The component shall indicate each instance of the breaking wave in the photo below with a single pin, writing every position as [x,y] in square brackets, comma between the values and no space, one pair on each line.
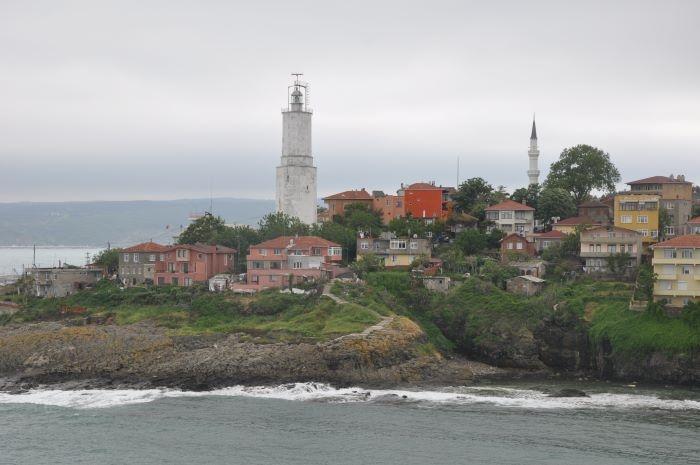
[496,396]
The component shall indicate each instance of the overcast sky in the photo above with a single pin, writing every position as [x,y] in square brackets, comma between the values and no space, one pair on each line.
[157,100]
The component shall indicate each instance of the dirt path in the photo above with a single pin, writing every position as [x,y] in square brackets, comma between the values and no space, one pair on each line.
[327,292]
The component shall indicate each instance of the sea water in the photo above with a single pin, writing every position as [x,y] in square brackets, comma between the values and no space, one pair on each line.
[313,423]
[14,259]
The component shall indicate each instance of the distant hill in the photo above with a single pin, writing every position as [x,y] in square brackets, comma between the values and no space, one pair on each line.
[120,222]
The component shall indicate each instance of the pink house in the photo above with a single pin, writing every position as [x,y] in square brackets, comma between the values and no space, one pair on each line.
[275,262]
[185,264]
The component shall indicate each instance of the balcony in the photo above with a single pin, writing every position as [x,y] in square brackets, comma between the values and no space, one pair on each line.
[676,261]
[667,277]
[677,293]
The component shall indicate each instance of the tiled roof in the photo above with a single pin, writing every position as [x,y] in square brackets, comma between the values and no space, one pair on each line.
[689,240]
[695,220]
[204,248]
[612,228]
[576,221]
[658,180]
[551,235]
[301,242]
[508,205]
[424,186]
[515,235]
[593,204]
[350,195]
[146,247]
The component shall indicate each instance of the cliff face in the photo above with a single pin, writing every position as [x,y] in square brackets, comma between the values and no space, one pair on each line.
[391,353]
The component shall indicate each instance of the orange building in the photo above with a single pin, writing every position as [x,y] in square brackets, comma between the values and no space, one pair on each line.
[423,200]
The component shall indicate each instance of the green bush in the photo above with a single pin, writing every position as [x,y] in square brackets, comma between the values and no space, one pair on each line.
[274,302]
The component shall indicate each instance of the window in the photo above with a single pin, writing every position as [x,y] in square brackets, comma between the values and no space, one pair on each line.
[669,253]
[546,244]
[510,246]
[414,245]
[669,270]
[277,251]
[336,251]
[687,270]
[519,228]
[263,252]
[276,265]
[687,253]
[597,248]
[316,251]
[591,248]
[493,216]
[670,230]
[297,265]
[654,233]
[628,206]
[669,205]
[682,285]
[152,257]
[298,252]
[626,219]
[393,259]
[171,267]
[126,258]
[274,278]
[188,281]
[519,245]
[644,232]
[506,215]
[666,285]
[642,219]
[364,245]
[612,248]
[397,245]
[258,265]
[162,257]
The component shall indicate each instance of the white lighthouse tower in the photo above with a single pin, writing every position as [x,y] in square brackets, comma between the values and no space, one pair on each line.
[534,153]
[296,175]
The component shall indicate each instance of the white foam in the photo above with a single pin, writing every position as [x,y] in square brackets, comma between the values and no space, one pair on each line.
[497,396]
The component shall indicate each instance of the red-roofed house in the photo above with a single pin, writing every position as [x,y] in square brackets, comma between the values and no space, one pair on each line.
[543,241]
[186,264]
[516,244]
[428,201]
[511,217]
[276,262]
[569,225]
[337,202]
[677,266]
[138,263]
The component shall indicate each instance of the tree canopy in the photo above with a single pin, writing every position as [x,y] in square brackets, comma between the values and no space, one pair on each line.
[280,224]
[529,195]
[582,169]
[108,259]
[555,202]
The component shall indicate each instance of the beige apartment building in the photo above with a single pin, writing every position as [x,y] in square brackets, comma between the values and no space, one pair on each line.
[601,243]
[677,266]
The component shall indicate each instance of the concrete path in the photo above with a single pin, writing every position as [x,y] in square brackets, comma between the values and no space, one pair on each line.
[386,321]
[327,292]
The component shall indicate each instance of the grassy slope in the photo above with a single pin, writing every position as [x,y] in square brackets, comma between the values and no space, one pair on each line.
[188,312]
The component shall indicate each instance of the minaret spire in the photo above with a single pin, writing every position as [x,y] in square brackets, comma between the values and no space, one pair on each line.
[533,173]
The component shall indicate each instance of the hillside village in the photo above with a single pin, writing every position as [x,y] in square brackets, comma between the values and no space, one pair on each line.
[572,224]
[439,233]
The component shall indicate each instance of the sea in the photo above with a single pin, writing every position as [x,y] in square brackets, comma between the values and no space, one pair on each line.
[14,259]
[314,423]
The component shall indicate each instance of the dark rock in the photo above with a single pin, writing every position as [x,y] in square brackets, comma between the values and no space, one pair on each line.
[569,392]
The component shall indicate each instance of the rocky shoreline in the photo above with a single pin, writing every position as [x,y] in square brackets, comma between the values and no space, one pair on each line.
[146,356]
[394,353]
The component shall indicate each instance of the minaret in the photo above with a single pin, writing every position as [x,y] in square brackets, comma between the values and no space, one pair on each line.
[296,175]
[533,173]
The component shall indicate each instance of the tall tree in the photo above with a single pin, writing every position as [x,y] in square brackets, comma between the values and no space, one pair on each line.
[582,169]
[407,226]
[471,194]
[203,230]
[358,217]
[340,234]
[555,202]
[471,241]
[529,195]
[108,259]
[278,224]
